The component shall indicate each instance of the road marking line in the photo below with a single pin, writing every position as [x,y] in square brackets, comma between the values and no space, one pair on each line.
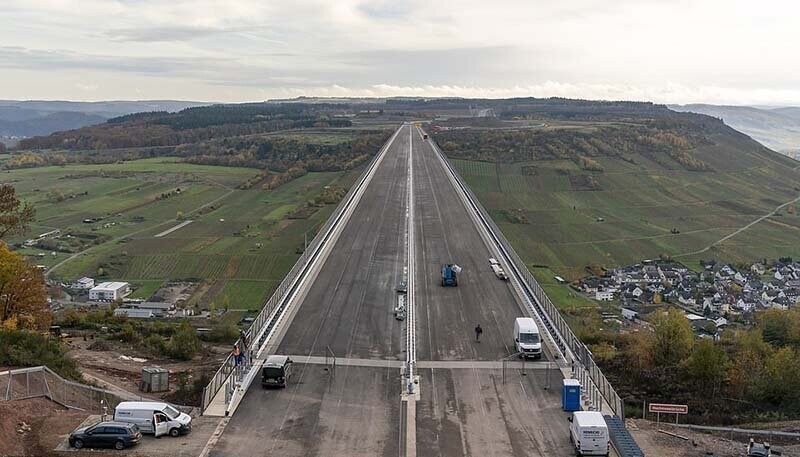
[437,364]
[410,380]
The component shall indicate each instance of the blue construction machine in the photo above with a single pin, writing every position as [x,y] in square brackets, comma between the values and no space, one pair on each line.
[450,275]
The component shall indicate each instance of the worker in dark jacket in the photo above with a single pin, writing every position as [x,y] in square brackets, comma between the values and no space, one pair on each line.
[478,332]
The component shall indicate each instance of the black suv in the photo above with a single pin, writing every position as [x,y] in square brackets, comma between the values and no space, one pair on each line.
[118,435]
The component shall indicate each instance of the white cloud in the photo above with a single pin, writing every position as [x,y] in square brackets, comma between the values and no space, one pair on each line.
[731,51]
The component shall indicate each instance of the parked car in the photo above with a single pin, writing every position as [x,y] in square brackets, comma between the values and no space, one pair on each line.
[154,417]
[118,435]
[758,449]
[276,371]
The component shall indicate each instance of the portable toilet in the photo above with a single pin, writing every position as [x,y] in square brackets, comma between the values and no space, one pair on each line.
[571,395]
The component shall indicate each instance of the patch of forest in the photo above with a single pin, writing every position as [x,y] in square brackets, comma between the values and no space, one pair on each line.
[652,138]
[189,126]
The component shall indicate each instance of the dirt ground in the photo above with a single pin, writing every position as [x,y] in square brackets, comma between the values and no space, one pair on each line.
[654,443]
[119,371]
[22,423]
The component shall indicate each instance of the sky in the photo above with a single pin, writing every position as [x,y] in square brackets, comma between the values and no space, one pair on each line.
[666,51]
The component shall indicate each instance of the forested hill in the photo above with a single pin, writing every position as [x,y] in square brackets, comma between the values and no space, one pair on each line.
[43,117]
[188,126]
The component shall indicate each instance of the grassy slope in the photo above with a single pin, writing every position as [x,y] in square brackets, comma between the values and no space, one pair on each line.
[641,203]
[206,249]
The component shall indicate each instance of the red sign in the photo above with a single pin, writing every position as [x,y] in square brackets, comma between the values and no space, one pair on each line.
[667,408]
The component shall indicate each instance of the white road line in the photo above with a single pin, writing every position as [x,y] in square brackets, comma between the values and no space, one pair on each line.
[411,389]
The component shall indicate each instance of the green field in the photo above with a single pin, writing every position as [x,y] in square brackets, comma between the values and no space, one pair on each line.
[145,288]
[241,248]
[640,204]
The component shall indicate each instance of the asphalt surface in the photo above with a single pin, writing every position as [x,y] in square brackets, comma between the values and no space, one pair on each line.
[356,410]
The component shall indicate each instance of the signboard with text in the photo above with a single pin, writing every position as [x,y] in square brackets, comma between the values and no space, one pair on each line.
[666,408]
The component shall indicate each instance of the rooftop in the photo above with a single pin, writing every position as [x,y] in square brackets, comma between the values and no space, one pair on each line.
[110,285]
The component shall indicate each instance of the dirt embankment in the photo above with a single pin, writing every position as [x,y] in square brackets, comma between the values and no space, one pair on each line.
[697,444]
[35,426]
[110,366]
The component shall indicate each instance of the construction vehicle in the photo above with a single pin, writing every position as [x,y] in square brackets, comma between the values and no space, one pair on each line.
[450,275]
[758,449]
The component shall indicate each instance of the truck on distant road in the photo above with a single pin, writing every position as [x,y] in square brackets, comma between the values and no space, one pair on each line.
[450,275]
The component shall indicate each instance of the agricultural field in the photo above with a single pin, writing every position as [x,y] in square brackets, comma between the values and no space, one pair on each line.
[563,217]
[239,243]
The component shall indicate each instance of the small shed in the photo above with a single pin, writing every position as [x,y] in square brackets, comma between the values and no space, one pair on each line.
[154,379]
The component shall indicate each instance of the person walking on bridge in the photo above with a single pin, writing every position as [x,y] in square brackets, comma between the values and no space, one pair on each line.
[478,332]
[237,355]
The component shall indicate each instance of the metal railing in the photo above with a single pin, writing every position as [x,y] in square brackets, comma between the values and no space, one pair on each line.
[266,319]
[42,382]
[565,340]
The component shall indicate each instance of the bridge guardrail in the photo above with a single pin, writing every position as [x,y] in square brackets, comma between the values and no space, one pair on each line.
[278,297]
[565,339]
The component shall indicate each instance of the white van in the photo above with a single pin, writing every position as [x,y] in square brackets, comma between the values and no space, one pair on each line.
[588,432]
[154,417]
[526,338]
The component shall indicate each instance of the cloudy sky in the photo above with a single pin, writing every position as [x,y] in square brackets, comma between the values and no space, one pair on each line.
[672,51]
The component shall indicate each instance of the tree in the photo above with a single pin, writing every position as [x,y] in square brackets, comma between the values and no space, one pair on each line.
[179,216]
[14,215]
[780,327]
[748,365]
[184,344]
[672,339]
[56,196]
[781,382]
[706,366]
[23,298]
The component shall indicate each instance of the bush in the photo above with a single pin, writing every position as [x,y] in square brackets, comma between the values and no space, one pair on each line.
[19,348]
[223,333]
[189,391]
[184,344]
[156,345]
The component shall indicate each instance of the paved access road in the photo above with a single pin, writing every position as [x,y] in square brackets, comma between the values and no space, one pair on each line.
[355,410]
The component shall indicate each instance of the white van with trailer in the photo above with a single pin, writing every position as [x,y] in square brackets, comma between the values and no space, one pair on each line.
[158,418]
[588,433]
[499,272]
[527,340]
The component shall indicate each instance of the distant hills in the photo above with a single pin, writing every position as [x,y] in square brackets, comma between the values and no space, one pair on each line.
[42,117]
[776,128]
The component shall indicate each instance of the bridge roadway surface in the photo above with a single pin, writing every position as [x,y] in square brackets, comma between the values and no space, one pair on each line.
[355,410]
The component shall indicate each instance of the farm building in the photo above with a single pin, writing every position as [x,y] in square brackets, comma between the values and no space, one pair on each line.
[109,291]
[158,309]
[134,313]
[83,283]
